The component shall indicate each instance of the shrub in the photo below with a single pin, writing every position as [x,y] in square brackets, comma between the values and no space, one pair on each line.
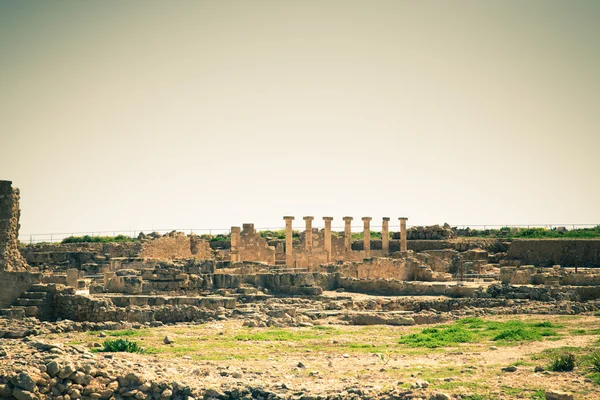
[563,363]
[97,239]
[120,345]
[595,362]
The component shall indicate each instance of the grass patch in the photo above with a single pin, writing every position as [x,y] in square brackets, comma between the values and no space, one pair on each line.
[595,377]
[120,345]
[475,330]
[284,335]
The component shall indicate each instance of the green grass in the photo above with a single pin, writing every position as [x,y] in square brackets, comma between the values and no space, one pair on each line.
[595,377]
[285,335]
[98,239]
[475,330]
[594,361]
[123,333]
[531,233]
[120,345]
[538,395]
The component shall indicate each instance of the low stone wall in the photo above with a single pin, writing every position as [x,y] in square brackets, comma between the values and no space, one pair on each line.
[564,252]
[101,309]
[393,287]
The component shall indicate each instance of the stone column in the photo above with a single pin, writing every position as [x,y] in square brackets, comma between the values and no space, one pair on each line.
[385,236]
[403,244]
[347,234]
[235,243]
[367,236]
[308,234]
[289,242]
[327,237]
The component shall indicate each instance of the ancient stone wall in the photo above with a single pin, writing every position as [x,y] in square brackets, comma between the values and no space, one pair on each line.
[175,245]
[13,283]
[254,248]
[434,232]
[76,255]
[10,257]
[548,252]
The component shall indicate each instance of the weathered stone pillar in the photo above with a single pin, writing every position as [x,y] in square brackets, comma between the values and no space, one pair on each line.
[367,235]
[289,242]
[235,243]
[348,234]
[403,244]
[308,234]
[327,237]
[385,236]
[107,277]
[72,277]
[10,256]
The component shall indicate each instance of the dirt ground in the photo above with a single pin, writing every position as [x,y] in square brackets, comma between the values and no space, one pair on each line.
[336,358]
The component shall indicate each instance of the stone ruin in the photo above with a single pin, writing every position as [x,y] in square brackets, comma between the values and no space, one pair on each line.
[10,257]
[411,279]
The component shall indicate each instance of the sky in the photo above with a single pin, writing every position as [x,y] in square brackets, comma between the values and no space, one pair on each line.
[209,114]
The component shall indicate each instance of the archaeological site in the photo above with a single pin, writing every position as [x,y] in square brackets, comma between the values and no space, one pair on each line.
[409,312]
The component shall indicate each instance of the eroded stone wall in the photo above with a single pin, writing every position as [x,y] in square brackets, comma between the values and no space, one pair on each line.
[10,257]
[254,248]
[175,245]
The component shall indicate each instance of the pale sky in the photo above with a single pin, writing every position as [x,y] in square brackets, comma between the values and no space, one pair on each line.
[208,114]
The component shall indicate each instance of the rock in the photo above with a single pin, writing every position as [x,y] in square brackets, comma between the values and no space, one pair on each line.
[538,369]
[25,382]
[420,385]
[166,340]
[166,394]
[66,371]
[510,368]
[439,396]
[558,395]
[300,365]
[21,394]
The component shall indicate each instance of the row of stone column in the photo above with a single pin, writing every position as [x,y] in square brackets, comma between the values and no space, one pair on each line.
[385,239]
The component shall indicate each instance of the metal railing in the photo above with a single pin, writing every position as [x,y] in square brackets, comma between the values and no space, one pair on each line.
[55,237]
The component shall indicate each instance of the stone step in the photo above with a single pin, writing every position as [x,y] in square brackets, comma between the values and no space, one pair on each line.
[39,288]
[30,302]
[13,312]
[34,295]
[31,311]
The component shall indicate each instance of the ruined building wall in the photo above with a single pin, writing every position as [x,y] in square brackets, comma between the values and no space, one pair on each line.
[175,245]
[10,257]
[548,252]
[254,248]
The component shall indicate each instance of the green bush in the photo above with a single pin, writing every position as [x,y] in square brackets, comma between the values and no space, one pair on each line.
[595,362]
[120,345]
[97,239]
[563,363]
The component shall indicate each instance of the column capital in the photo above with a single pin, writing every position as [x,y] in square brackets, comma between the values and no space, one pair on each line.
[386,218]
[403,218]
[308,218]
[366,218]
[235,229]
[327,218]
[288,218]
[347,218]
